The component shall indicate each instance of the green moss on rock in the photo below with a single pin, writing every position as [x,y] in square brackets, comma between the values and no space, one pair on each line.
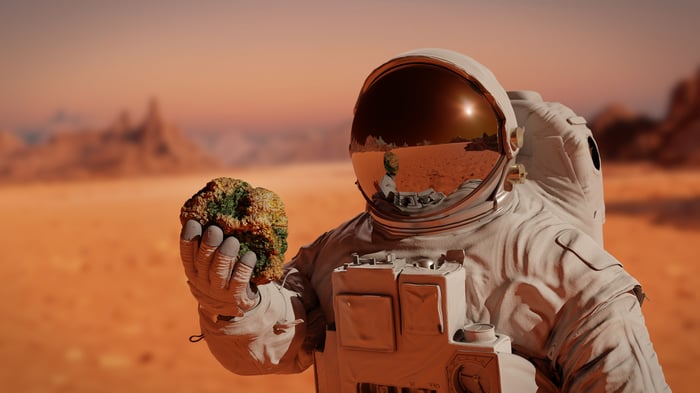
[255,216]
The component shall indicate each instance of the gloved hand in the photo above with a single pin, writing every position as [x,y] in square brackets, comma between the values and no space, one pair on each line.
[218,278]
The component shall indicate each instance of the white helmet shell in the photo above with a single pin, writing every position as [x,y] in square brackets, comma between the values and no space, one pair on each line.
[431,141]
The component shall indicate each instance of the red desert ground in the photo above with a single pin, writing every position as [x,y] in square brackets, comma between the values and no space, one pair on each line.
[94,297]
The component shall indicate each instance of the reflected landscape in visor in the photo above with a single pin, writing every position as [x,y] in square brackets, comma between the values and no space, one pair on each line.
[442,168]
[422,128]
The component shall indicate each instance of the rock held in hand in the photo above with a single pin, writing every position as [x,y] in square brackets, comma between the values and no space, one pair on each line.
[255,216]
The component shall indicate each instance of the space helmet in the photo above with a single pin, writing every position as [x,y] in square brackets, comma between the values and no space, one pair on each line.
[433,142]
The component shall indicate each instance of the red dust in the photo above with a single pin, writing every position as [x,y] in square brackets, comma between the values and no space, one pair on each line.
[95,299]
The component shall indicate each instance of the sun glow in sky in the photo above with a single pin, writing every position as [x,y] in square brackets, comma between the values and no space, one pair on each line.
[468,109]
[289,64]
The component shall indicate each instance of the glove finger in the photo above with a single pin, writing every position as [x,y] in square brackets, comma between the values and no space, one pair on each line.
[212,306]
[189,244]
[240,281]
[222,265]
[212,238]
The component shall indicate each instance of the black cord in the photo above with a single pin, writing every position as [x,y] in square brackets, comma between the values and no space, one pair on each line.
[195,338]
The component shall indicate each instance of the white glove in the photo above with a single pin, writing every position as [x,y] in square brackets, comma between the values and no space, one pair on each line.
[218,279]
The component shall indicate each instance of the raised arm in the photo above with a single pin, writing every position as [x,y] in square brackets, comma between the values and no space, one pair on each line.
[601,343]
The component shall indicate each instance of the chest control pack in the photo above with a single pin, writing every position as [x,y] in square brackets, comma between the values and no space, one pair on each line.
[400,327]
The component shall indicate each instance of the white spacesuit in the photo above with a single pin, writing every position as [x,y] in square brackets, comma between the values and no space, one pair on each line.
[460,276]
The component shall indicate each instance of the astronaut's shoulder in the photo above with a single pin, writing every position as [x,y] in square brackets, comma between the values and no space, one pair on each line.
[332,243]
[585,249]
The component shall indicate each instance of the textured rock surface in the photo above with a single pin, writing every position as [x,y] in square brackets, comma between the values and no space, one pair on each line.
[255,216]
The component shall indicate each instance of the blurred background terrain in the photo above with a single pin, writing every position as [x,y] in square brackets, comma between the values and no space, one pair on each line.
[113,114]
[152,145]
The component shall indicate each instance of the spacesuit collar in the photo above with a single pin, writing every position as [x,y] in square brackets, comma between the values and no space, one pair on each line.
[470,216]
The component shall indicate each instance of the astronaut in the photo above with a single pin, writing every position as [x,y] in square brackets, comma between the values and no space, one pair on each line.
[439,156]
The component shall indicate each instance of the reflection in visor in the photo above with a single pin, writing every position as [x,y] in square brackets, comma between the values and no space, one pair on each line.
[420,133]
[441,168]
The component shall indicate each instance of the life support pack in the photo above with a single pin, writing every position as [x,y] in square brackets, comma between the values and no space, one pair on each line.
[399,328]
[562,161]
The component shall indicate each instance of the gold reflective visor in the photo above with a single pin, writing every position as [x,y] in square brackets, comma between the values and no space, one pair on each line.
[420,133]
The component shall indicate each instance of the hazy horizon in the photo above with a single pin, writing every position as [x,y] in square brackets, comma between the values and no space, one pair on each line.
[276,66]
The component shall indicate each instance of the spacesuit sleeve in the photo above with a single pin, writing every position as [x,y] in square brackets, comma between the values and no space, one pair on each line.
[276,337]
[602,344]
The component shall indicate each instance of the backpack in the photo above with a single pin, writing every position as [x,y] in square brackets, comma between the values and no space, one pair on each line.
[562,161]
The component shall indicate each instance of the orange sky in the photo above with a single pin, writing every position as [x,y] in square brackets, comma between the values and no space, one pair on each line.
[286,64]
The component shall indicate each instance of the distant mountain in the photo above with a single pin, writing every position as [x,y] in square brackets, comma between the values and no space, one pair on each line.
[122,149]
[671,141]
[274,148]
[152,146]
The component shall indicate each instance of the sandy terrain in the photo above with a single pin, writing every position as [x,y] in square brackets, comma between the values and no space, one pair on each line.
[94,298]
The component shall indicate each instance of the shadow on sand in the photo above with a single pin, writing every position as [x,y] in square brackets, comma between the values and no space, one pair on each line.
[683,213]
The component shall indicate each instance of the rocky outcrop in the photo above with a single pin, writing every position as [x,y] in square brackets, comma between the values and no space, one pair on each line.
[679,132]
[9,143]
[623,135]
[672,141]
[121,149]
